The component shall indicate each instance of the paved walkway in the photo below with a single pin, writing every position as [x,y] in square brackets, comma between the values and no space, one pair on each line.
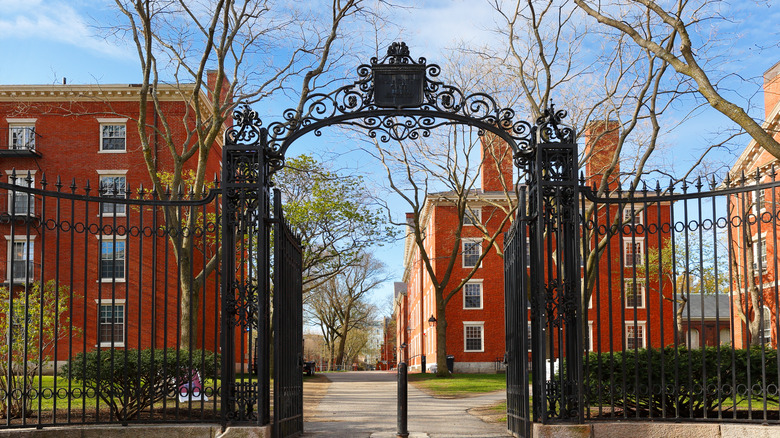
[363,405]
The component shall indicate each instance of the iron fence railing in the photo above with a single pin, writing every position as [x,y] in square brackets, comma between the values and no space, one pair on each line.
[681,302]
[91,313]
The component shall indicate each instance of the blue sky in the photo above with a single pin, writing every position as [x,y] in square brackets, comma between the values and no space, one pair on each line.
[45,41]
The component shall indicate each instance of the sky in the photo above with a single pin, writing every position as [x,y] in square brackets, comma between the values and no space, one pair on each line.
[43,42]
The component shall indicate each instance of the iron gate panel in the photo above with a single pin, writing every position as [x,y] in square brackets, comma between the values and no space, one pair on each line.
[518,414]
[288,327]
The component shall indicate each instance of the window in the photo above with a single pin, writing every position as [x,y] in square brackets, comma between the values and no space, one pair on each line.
[113,135]
[472,216]
[21,260]
[472,249]
[635,335]
[760,200]
[759,255]
[766,324]
[112,323]
[725,337]
[637,213]
[529,336]
[590,336]
[21,137]
[21,203]
[473,336]
[112,259]
[633,251]
[693,339]
[112,186]
[634,293]
[472,295]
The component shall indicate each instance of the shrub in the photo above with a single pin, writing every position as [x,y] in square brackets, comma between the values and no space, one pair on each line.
[133,380]
[682,382]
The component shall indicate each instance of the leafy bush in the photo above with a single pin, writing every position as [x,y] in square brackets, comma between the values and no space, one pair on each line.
[130,381]
[684,382]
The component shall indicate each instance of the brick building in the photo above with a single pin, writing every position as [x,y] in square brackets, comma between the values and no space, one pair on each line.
[754,246]
[86,136]
[475,315]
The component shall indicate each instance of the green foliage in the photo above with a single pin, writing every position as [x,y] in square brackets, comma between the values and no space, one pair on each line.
[35,317]
[129,381]
[334,215]
[684,372]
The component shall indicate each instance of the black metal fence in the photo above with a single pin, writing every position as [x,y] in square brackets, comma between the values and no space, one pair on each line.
[680,302]
[109,306]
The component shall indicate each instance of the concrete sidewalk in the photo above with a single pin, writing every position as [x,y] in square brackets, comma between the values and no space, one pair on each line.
[363,405]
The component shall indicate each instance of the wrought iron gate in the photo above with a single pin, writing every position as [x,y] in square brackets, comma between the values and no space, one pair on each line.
[518,412]
[543,282]
[288,327]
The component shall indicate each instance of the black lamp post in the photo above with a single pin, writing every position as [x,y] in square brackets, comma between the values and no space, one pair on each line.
[432,321]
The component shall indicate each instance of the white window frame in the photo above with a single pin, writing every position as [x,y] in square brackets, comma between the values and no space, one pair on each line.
[631,261]
[21,176]
[628,284]
[629,326]
[473,324]
[25,240]
[481,294]
[638,215]
[766,330]
[110,239]
[115,303]
[29,133]
[463,243]
[472,216]
[590,335]
[121,195]
[760,250]
[112,122]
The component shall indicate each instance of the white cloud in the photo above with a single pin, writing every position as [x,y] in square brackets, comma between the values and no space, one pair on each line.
[433,26]
[51,21]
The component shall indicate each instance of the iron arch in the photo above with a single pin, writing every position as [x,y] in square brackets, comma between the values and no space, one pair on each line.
[393,98]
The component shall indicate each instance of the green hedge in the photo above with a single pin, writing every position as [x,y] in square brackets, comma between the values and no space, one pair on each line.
[696,381]
[134,381]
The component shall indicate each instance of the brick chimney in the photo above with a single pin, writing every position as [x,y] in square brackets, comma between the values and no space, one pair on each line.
[211,84]
[601,140]
[496,163]
[771,89]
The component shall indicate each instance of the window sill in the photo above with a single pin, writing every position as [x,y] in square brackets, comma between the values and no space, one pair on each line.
[112,280]
[474,351]
[112,215]
[472,308]
[109,345]
[101,151]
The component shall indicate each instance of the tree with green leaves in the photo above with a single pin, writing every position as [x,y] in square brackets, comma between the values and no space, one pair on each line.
[32,319]
[334,215]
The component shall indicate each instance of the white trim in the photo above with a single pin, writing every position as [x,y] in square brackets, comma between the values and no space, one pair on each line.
[111,120]
[20,121]
[20,173]
[109,302]
[590,335]
[633,240]
[110,238]
[481,325]
[11,240]
[477,215]
[481,294]
[641,285]
[463,243]
[117,172]
[639,324]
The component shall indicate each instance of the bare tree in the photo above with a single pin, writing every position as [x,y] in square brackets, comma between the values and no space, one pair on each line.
[653,25]
[200,47]
[340,305]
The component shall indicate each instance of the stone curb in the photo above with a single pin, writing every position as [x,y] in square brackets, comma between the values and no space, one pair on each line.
[655,430]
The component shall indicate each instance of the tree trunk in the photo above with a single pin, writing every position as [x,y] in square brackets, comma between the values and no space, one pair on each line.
[441,341]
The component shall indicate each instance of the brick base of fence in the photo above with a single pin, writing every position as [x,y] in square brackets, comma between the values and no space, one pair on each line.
[150,431]
[655,430]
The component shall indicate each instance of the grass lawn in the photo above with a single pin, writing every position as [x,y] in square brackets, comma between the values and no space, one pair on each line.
[458,385]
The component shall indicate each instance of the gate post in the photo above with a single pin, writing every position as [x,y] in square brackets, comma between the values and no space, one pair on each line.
[555,272]
[245,267]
